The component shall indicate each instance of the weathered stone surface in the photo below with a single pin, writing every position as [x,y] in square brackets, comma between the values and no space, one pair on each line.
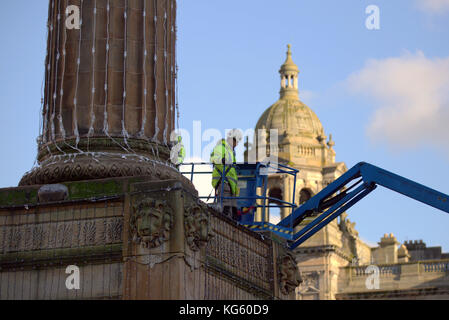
[90,166]
[100,281]
[109,92]
[180,259]
[53,193]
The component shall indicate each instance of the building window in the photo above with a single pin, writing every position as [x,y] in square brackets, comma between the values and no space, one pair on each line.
[304,196]
[275,213]
[275,193]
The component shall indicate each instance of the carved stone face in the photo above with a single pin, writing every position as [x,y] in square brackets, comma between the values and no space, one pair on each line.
[151,223]
[197,227]
[289,274]
[202,226]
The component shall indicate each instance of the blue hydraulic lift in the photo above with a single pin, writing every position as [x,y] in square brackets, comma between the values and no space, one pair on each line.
[307,219]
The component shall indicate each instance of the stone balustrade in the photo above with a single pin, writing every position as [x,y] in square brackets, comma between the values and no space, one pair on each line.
[356,281]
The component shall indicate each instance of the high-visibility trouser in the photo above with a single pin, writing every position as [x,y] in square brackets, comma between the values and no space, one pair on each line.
[228,179]
[224,196]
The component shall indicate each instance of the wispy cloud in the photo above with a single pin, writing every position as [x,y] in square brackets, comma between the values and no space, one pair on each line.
[306,95]
[411,96]
[433,6]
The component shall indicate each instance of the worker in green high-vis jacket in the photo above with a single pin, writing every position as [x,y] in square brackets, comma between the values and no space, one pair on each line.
[178,151]
[226,183]
[182,151]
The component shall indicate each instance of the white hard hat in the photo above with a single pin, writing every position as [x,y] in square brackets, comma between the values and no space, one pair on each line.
[175,137]
[236,134]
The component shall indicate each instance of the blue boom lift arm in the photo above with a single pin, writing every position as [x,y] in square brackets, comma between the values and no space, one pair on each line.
[337,197]
[307,219]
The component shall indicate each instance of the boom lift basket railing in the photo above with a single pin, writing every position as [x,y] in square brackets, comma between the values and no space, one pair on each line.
[253,203]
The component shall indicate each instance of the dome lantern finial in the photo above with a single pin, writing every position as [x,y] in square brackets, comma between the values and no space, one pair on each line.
[331,142]
[289,76]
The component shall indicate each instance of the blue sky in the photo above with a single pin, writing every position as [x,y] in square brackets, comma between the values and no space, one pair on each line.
[382,94]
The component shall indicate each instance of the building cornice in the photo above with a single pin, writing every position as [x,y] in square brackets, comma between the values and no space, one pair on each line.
[323,250]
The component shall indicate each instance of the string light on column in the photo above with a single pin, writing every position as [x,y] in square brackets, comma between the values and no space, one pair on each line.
[94,38]
[145,54]
[106,86]
[165,74]
[172,67]
[48,66]
[78,61]
[125,54]
[58,56]
[105,113]
[156,120]
[61,93]
[178,114]
[54,97]
[43,83]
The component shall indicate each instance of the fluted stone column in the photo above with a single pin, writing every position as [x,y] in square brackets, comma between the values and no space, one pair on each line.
[109,104]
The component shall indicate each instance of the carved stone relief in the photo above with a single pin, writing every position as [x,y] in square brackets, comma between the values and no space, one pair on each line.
[197,227]
[290,277]
[310,284]
[239,256]
[61,234]
[151,222]
[350,234]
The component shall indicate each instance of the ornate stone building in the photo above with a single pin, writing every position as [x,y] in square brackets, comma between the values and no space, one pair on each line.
[328,259]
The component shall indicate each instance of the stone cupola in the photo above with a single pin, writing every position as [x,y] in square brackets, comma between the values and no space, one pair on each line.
[289,76]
